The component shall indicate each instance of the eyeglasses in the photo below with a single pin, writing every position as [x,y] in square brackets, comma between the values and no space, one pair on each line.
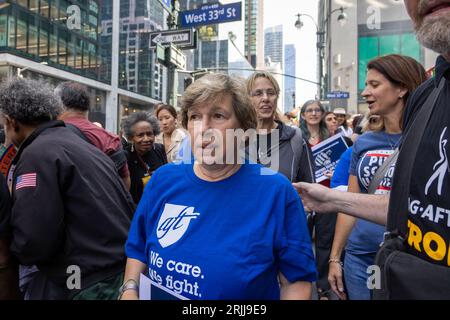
[260,93]
[313,110]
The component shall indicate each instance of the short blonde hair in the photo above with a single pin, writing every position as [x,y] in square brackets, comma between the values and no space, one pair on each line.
[213,87]
[262,74]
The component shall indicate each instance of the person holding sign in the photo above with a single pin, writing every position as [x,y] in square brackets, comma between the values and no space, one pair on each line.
[390,79]
[219,228]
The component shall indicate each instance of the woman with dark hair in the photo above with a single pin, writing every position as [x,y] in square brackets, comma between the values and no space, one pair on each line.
[331,122]
[170,136]
[312,122]
[389,82]
[144,156]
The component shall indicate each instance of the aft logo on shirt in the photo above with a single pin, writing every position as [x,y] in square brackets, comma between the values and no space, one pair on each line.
[441,167]
[173,223]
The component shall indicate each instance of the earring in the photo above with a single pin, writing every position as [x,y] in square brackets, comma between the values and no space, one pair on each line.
[132,147]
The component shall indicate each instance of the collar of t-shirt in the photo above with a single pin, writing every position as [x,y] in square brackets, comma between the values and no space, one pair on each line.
[442,70]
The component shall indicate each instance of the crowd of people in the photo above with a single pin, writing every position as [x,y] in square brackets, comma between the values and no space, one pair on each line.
[226,186]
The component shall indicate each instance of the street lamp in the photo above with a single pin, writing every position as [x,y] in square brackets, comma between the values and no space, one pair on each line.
[20,70]
[232,38]
[320,32]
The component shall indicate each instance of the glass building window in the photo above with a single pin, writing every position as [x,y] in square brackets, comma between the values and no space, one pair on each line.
[63,49]
[3,30]
[23,3]
[53,48]
[54,12]
[43,43]
[44,8]
[21,35]
[34,6]
[12,32]
[71,56]
[375,46]
[38,30]
[33,37]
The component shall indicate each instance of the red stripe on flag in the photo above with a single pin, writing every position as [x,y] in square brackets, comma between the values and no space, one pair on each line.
[26,180]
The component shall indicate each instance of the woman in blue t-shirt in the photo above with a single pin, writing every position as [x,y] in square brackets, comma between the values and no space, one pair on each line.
[220,228]
[389,81]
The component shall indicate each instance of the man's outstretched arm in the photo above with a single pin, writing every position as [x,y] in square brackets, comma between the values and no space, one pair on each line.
[321,199]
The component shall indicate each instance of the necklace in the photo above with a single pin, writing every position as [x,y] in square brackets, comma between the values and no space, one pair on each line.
[392,144]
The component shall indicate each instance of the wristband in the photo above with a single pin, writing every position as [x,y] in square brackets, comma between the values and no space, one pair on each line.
[130,284]
[336,261]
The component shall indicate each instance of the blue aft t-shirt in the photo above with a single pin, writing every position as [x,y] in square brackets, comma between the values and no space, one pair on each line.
[221,240]
[369,152]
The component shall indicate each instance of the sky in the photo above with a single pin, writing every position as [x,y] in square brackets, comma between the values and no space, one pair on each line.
[284,12]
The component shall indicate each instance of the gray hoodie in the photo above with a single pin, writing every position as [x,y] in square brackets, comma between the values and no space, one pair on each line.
[295,157]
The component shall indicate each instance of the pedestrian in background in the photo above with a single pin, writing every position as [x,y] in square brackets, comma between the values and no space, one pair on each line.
[69,206]
[76,102]
[171,136]
[295,159]
[144,156]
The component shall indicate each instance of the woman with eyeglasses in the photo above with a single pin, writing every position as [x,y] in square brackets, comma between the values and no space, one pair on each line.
[312,122]
[274,138]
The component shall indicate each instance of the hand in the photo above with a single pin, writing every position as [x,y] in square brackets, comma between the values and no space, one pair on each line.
[329,174]
[305,207]
[315,197]
[130,295]
[335,280]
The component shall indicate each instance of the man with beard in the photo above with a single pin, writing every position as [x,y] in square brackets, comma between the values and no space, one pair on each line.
[429,183]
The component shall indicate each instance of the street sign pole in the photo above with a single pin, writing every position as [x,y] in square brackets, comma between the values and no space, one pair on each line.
[172,74]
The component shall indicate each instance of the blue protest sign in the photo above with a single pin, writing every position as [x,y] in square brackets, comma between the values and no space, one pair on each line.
[327,154]
[211,14]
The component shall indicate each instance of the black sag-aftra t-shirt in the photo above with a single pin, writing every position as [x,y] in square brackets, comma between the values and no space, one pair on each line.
[429,200]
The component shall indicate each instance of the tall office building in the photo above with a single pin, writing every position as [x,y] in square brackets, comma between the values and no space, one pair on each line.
[289,83]
[273,44]
[254,32]
[212,55]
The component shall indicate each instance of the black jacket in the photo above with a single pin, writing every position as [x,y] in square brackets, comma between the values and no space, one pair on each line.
[155,158]
[76,213]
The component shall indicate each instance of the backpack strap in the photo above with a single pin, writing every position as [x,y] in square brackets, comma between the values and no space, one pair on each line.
[397,219]
[381,172]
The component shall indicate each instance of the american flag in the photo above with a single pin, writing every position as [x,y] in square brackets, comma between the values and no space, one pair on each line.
[26,180]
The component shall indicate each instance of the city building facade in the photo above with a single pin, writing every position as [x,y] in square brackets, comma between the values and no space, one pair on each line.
[290,66]
[372,29]
[273,44]
[254,32]
[100,43]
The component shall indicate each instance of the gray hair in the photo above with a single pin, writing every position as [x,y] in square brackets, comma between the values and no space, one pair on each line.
[29,101]
[129,122]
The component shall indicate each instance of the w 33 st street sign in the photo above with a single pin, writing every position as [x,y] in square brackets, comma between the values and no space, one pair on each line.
[211,14]
[183,38]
